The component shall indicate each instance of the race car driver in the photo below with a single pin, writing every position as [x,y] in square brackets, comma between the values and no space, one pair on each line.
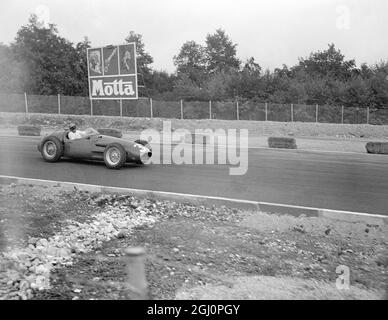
[74,133]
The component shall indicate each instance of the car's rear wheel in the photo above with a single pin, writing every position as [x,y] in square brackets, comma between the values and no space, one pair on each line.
[114,156]
[52,149]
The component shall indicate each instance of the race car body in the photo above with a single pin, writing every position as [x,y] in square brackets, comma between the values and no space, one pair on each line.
[115,152]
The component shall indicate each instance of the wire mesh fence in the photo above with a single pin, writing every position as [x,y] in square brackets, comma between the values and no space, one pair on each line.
[42,104]
[250,110]
[378,116]
[304,113]
[329,114]
[74,105]
[165,109]
[278,112]
[355,115]
[222,110]
[12,103]
[195,109]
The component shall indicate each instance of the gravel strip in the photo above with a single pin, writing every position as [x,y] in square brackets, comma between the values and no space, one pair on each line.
[23,269]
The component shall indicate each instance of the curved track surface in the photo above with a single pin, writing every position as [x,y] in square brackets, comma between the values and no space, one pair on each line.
[352,182]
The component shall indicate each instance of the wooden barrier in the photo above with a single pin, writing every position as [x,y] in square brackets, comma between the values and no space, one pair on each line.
[377,147]
[26,130]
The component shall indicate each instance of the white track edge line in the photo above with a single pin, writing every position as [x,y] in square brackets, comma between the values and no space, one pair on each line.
[258,203]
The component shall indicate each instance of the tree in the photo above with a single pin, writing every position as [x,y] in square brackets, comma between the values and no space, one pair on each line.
[219,86]
[81,67]
[221,52]
[329,63]
[143,58]
[283,72]
[185,88]
[191,61]
[51,60]
[246,83]
[162,81]
[357,93]
[251,67]
[379,85]
[12,72]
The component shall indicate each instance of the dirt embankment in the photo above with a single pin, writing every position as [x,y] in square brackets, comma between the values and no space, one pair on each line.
[59,244]
[256,128]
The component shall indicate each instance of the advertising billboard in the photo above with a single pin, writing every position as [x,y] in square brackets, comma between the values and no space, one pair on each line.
[112,72]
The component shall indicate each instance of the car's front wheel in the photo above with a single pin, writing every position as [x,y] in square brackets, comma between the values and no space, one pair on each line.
[52,149]
[114,156]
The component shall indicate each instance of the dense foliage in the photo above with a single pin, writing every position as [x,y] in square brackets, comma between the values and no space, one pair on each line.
[40,61]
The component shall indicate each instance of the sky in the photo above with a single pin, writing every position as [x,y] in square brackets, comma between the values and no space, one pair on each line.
[274,32]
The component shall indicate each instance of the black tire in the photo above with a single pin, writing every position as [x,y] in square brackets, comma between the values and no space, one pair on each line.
[114,156]
[52,149]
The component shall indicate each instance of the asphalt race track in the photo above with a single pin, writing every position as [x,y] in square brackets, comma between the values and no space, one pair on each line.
[352,182]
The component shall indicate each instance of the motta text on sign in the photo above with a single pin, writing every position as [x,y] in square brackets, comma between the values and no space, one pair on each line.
[112,72]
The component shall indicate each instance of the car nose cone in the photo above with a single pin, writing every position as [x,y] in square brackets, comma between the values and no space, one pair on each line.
[145,155]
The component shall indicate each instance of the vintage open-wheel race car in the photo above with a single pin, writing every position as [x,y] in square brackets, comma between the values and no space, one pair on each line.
[115,152]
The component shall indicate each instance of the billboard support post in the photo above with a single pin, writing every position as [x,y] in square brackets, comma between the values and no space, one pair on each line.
[121,107]
[316,113]
[91,107]
[181,109]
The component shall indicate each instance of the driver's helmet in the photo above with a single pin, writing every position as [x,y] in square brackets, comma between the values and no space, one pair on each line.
[72,126]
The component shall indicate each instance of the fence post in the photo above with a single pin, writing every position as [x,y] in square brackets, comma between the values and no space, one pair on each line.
[59,103]
[367,115]
[210,109]
[266,111]
[342,114]
[91,107]
[181,109]
[316,113]
[25,101]
[292,112]
[121,107]
[151,111]
[237,110]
